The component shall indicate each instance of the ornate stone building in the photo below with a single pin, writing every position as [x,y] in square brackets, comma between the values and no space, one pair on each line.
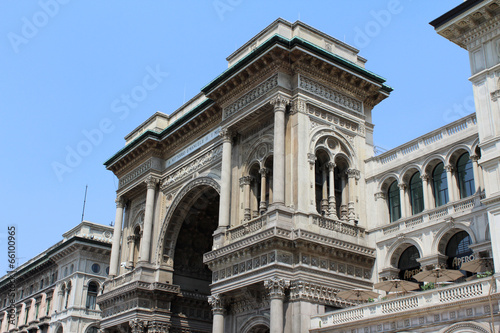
[57,290]
[250,207]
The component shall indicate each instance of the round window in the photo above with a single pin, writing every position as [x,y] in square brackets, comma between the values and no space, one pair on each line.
[96,268]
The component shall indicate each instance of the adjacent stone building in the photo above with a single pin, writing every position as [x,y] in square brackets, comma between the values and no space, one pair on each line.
[253,205]
[56,291]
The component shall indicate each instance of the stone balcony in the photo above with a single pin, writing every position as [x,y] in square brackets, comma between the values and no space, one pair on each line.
[446,212]
[441,306]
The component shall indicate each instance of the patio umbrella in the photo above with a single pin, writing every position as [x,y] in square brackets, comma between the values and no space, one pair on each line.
[397,285]
[357,294]
[478,265]
[438,275]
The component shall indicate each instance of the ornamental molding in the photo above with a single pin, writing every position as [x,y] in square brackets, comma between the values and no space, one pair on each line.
[302,290]
[324,117]
[254,80]
[331,95]
[151,164]
[138,325]
[495,95]
[194,166]
[298,106]
[251,96]
[379,195]
[158,327]
[326,78]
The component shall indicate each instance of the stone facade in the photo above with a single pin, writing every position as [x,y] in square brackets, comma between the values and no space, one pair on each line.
[57,290]
[254,204]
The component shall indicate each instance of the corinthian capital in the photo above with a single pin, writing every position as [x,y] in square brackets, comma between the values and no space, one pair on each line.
[276,287]
[151,182]
[158,327]
[138,325]
[120,202]
[216,302]
[279,102]
[353,173]
[226,135]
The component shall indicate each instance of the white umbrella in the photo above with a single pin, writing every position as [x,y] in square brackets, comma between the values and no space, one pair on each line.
[357,294]
[438,275]
[397,285]
[478,265]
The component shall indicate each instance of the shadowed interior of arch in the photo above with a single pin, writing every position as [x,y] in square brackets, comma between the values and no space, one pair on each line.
[199,221]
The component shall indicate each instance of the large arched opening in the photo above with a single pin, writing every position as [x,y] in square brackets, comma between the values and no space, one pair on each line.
[187,238]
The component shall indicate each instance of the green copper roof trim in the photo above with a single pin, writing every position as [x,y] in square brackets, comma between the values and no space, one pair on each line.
[158,135]
[291,43]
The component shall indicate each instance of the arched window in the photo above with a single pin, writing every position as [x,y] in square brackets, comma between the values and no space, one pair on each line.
[416,193]
[465,176]
[92,295]
[394,202]
[408,264]
[92,329]
[458,251]
[440,185]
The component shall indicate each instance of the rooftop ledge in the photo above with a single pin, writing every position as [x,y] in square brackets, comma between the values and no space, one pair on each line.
[419,302]
[450,130]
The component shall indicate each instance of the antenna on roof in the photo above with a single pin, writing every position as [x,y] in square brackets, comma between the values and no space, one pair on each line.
[84,200]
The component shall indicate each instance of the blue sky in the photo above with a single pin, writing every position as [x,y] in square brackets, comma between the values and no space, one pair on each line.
[66,66]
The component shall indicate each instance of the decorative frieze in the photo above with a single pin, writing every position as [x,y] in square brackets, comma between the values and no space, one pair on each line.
[330,95]
[302,290]
[158,327]
[321,117]
[152,163]
[251,96]
[194,166]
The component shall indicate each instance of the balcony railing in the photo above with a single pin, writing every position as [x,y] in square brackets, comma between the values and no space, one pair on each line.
[420,300]
[411,222]
[247,228]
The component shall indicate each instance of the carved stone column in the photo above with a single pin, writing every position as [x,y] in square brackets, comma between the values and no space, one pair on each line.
[381,203]
[131,244]
[115,247]
[245,183]
[276,290]
[452,184]
[263,183]
[279,102]
[425,184]
[217,303]
[254,184]
[225,190]
[138,326]
[311,158]
[324,191]
[343,207]
[158,327]
[148,220]
[331,199]
[402,198]
[478,184]
[353,176]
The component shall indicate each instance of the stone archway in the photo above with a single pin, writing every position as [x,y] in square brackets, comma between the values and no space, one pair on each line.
[188,231]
